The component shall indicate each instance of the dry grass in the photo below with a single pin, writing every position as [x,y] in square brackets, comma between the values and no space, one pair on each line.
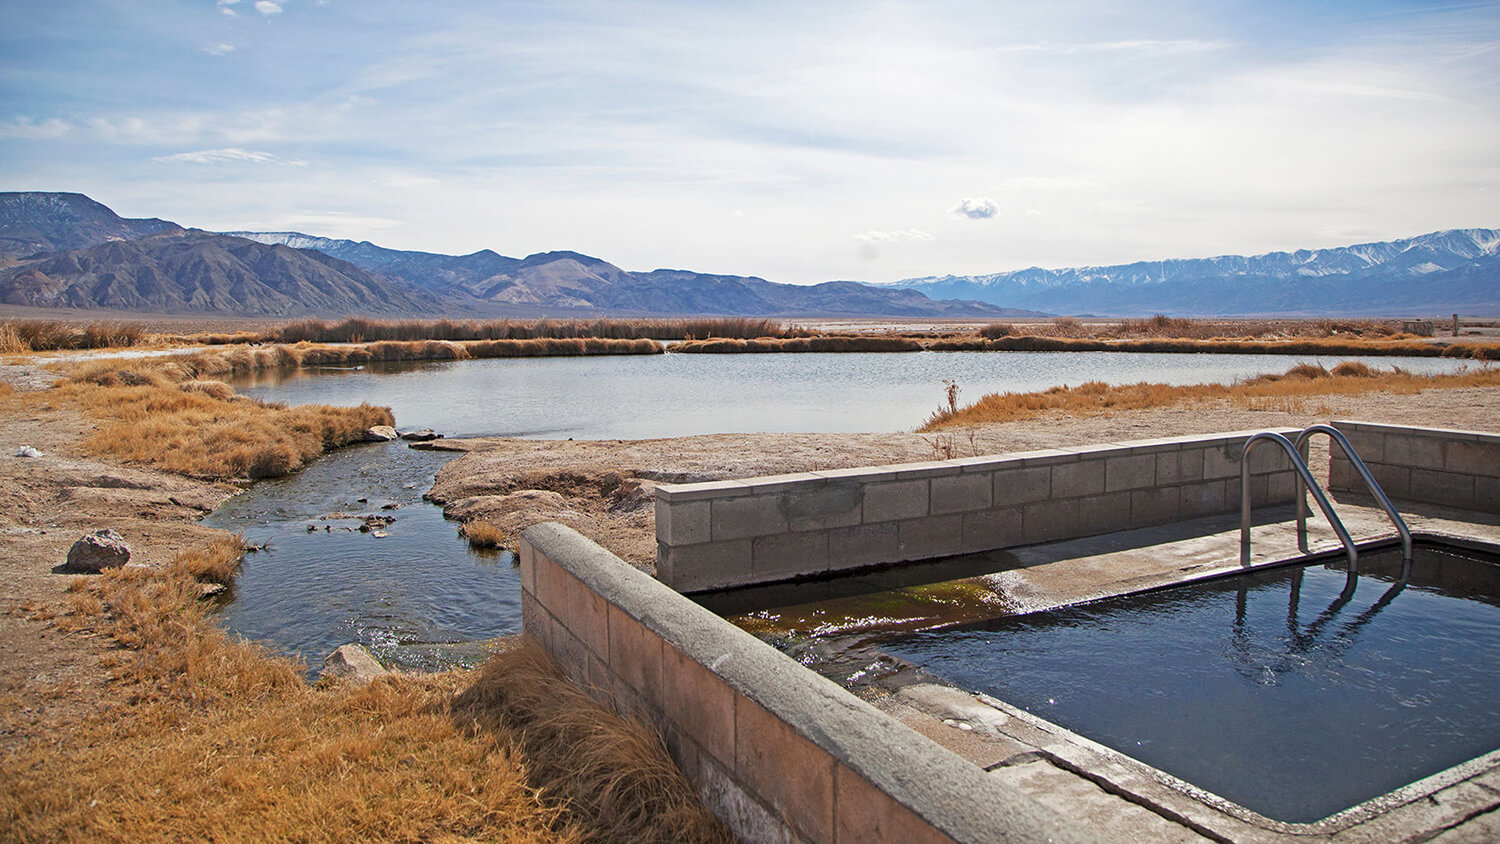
[484,535]
[204,736]
[40,335]
[614,776]
[825,343]
[210,738]
[1262,393]
[147,415]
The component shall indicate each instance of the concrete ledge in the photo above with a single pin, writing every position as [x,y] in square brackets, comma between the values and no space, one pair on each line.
[734,533]
[777,751]
[1429,465]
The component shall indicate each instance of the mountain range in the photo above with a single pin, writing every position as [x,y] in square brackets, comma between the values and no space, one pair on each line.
[66,250]
[1442,272]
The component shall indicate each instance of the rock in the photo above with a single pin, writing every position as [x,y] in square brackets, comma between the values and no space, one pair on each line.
[372,523]
[380,434]
[353,662]
[420,436]
[208,590]
[98,551]
[27,451]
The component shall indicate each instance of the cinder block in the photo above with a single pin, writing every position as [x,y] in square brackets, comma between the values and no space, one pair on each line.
[1341,474]
[863,545]
[1177,467]
[988,530]
[1223,461]
[1085,477]
[535,622]
[576,607]
[960,494]
[823,507]
[701,705]
[700,491]
[1413,450]
[692,567]
[747,516]
[788,555]
[576,660]
[1472,458]
[635,655]
[1155,506]
[1449,489]
[1369,445]
[785,769]
[1395,480]
[1280,486]
[768,484]
[682,523]
[1105,513]
[895,500]
[1487,495]
[1046,521]
[1267,457]
[1135,471]
[1206,498]
[1021,484]
[865,813]
[930,536]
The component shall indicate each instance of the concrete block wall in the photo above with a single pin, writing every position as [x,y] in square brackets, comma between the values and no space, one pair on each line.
[1430,465]
[778,752]
[758,530]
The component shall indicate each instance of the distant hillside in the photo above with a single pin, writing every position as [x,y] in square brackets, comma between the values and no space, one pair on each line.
[33,222]
[190,271]
[563,282]
[1442,272]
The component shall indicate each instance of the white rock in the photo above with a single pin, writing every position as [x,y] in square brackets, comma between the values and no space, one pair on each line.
[354,662]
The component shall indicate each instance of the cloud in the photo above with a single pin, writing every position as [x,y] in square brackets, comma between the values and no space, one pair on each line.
[33,129]
[230,155]
[268,7]
[893,236]
[224,6]
[975,208]
[219,49]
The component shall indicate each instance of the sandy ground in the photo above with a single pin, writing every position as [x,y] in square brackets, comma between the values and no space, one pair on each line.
[603,489]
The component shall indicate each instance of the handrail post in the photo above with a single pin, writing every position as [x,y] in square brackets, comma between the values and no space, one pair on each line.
[1305,474]
[1336,436]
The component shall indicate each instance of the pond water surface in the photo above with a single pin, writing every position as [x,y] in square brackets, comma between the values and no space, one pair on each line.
[417,593]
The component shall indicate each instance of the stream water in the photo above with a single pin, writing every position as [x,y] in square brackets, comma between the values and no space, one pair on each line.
[420,598]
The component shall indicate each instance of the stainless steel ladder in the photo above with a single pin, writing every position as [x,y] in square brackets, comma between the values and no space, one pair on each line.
[1306,481]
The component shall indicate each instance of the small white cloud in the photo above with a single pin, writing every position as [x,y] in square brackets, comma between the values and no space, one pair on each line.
[1033,212]
[219,49]
[33,129]
[268,7]
[224,7]
[893,236]
[231,155]
[975,208]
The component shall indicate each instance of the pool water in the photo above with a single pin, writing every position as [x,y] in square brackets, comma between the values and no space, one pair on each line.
[1270,689]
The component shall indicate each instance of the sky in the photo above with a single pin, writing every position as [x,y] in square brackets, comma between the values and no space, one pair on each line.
[800,142]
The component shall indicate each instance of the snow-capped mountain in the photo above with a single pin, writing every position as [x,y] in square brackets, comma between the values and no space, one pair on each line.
[1454,270]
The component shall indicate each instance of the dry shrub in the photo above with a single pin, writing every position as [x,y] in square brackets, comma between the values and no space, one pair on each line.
[40,335]
[1257,393]
[613,776]
[824,343]
[997,329]
[482,534]
[358,329]
[219,562]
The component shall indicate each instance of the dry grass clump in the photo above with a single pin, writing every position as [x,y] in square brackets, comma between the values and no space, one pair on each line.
[208,737]
[362,330]
[483,535]
[1256,393]
[215,389]
[41,335]
[146,416]
[10,340]
[614,776]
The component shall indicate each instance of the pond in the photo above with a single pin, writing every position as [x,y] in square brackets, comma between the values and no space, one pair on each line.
[673,395]
[417,595]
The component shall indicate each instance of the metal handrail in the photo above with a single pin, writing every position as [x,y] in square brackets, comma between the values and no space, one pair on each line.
[1337,436]
[1312,486]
